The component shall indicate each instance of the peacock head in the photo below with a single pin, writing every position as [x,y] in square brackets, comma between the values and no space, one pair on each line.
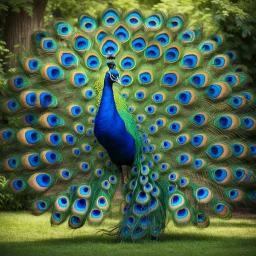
[112,75]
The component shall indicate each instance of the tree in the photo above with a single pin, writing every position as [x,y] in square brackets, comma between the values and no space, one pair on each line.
[21,19]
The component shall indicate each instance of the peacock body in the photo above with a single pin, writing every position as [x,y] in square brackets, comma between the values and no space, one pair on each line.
[183,120]
[110,129]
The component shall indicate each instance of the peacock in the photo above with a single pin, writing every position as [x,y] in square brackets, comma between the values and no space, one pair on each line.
[154,95]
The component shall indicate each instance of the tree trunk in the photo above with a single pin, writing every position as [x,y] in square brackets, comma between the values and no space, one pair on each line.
[19,27]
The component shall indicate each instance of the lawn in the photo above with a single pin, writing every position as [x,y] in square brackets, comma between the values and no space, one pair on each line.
[24,234]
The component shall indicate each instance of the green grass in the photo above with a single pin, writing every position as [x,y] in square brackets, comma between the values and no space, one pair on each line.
[24,234]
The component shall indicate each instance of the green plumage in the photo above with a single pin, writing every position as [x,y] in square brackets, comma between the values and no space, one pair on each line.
[187,103]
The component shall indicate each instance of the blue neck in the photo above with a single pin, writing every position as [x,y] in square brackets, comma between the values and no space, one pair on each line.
[110,129]
[107,109]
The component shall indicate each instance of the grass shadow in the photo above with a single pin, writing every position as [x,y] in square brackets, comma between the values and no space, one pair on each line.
[102,244]
[94,244]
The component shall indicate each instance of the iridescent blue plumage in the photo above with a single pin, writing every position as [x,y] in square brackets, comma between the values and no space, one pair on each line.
[110,128]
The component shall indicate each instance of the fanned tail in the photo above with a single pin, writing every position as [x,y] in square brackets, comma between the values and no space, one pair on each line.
[186,101]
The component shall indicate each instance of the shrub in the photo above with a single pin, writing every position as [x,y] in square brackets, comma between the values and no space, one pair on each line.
[11,202]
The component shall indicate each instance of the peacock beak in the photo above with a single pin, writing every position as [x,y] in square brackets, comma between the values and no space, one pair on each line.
[115,79]
[118,81]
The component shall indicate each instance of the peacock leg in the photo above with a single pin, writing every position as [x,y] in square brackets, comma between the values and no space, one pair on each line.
[126,171]
[119,167]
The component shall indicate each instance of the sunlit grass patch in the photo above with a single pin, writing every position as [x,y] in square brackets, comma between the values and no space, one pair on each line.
[25,234]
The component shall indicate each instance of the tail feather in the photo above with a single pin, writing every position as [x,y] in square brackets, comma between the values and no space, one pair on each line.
[186,101]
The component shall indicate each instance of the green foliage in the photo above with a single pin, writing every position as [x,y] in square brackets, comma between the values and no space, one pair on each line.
[16,6]
[7,200]
[4,54]
[237,18]
[72,8]
[10,202]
